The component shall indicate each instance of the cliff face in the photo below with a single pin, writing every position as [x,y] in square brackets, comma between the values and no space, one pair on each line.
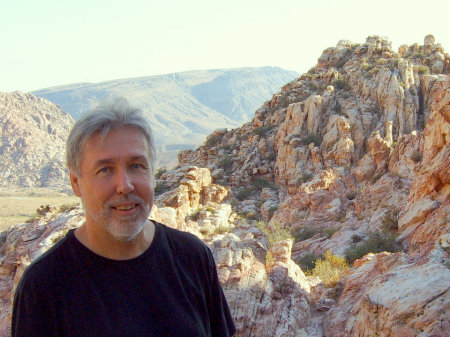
[32,142]
[358,145]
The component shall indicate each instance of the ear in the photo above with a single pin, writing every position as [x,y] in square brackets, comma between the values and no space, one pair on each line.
[75,184]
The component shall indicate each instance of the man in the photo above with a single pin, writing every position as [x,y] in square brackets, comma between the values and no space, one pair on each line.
[119,274]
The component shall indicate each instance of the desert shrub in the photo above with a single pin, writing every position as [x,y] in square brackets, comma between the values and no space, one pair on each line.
[312,138]
[68,207]
[222,229]
[356,238]
[305,233]
[263,183]
[351,195]
[416,156]
[330,269]
[366,67]
[375,243]
[303,178]
[274,233]
[328,232]
[390,222]
[306,262]
[225,163]
[381,61]
[160,171]
[213,139]
[340,84]
[271,156]
[423,70]
[272,210]
[261,131]
[160,188]
[245,192]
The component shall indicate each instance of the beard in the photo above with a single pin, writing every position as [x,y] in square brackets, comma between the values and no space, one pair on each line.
[121,228]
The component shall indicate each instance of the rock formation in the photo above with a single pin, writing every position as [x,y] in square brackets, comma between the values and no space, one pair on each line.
[32,142]
[357,148]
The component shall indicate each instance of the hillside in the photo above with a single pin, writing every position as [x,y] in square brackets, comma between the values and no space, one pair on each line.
[32,142]
[350,159]
[186,106]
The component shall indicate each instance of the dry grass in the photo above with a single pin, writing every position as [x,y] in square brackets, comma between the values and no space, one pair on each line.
[18,206]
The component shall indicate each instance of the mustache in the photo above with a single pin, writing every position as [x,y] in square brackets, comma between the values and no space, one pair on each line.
[124,199]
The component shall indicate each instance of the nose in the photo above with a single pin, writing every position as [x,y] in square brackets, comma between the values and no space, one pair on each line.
[124,184]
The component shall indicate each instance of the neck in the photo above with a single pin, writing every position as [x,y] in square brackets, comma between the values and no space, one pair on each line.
[103,244]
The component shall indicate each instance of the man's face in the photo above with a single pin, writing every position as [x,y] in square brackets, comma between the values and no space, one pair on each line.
[115,183]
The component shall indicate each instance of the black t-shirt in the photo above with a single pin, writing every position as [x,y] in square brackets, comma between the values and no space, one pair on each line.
[172,289]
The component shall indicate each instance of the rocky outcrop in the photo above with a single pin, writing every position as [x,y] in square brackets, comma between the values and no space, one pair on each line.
[356,147]
[393,295]
[32,142]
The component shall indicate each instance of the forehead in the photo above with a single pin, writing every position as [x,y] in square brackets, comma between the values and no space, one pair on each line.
[119,142]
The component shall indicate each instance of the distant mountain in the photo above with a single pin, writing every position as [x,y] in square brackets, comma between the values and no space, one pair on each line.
[33,133]
[185,107]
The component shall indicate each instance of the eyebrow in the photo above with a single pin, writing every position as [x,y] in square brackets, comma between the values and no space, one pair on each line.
[110,160]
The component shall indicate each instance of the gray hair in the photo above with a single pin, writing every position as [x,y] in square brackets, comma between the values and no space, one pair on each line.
[104,118]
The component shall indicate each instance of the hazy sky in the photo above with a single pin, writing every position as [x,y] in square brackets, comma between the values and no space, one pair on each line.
[47,43]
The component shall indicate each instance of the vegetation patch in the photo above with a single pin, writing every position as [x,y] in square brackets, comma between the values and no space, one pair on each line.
[262,130]
[225,163]
[376,242]
[330,269]
[160,171]
[305,233]
[213,140]
[306,262]
[222,229]
[416,156]
[423,70]
[312,138]
[274,233]
[340,84]
[160,188]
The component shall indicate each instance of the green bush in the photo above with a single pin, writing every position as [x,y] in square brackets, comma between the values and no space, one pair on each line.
[312,138]
[330,269]
[263,183]
[340,84]
[306,262]
[303,178]
[423,70]
[375,243]
[225,163]
[305,233]
[245,192]
[261,131]
[213,139]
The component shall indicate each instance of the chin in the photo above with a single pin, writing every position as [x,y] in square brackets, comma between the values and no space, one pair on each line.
[125,231]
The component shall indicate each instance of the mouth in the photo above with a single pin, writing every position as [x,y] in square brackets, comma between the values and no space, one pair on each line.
[125,208]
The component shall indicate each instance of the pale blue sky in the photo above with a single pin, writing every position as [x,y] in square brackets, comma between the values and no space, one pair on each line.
[53,42]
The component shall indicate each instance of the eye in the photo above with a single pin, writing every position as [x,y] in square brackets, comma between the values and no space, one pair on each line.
[104,170]
[136,166]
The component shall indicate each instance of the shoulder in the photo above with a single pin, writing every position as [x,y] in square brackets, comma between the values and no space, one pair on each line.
[44,268]
[181,242]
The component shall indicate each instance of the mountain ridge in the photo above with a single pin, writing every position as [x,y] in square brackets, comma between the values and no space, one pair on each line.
[185,106]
